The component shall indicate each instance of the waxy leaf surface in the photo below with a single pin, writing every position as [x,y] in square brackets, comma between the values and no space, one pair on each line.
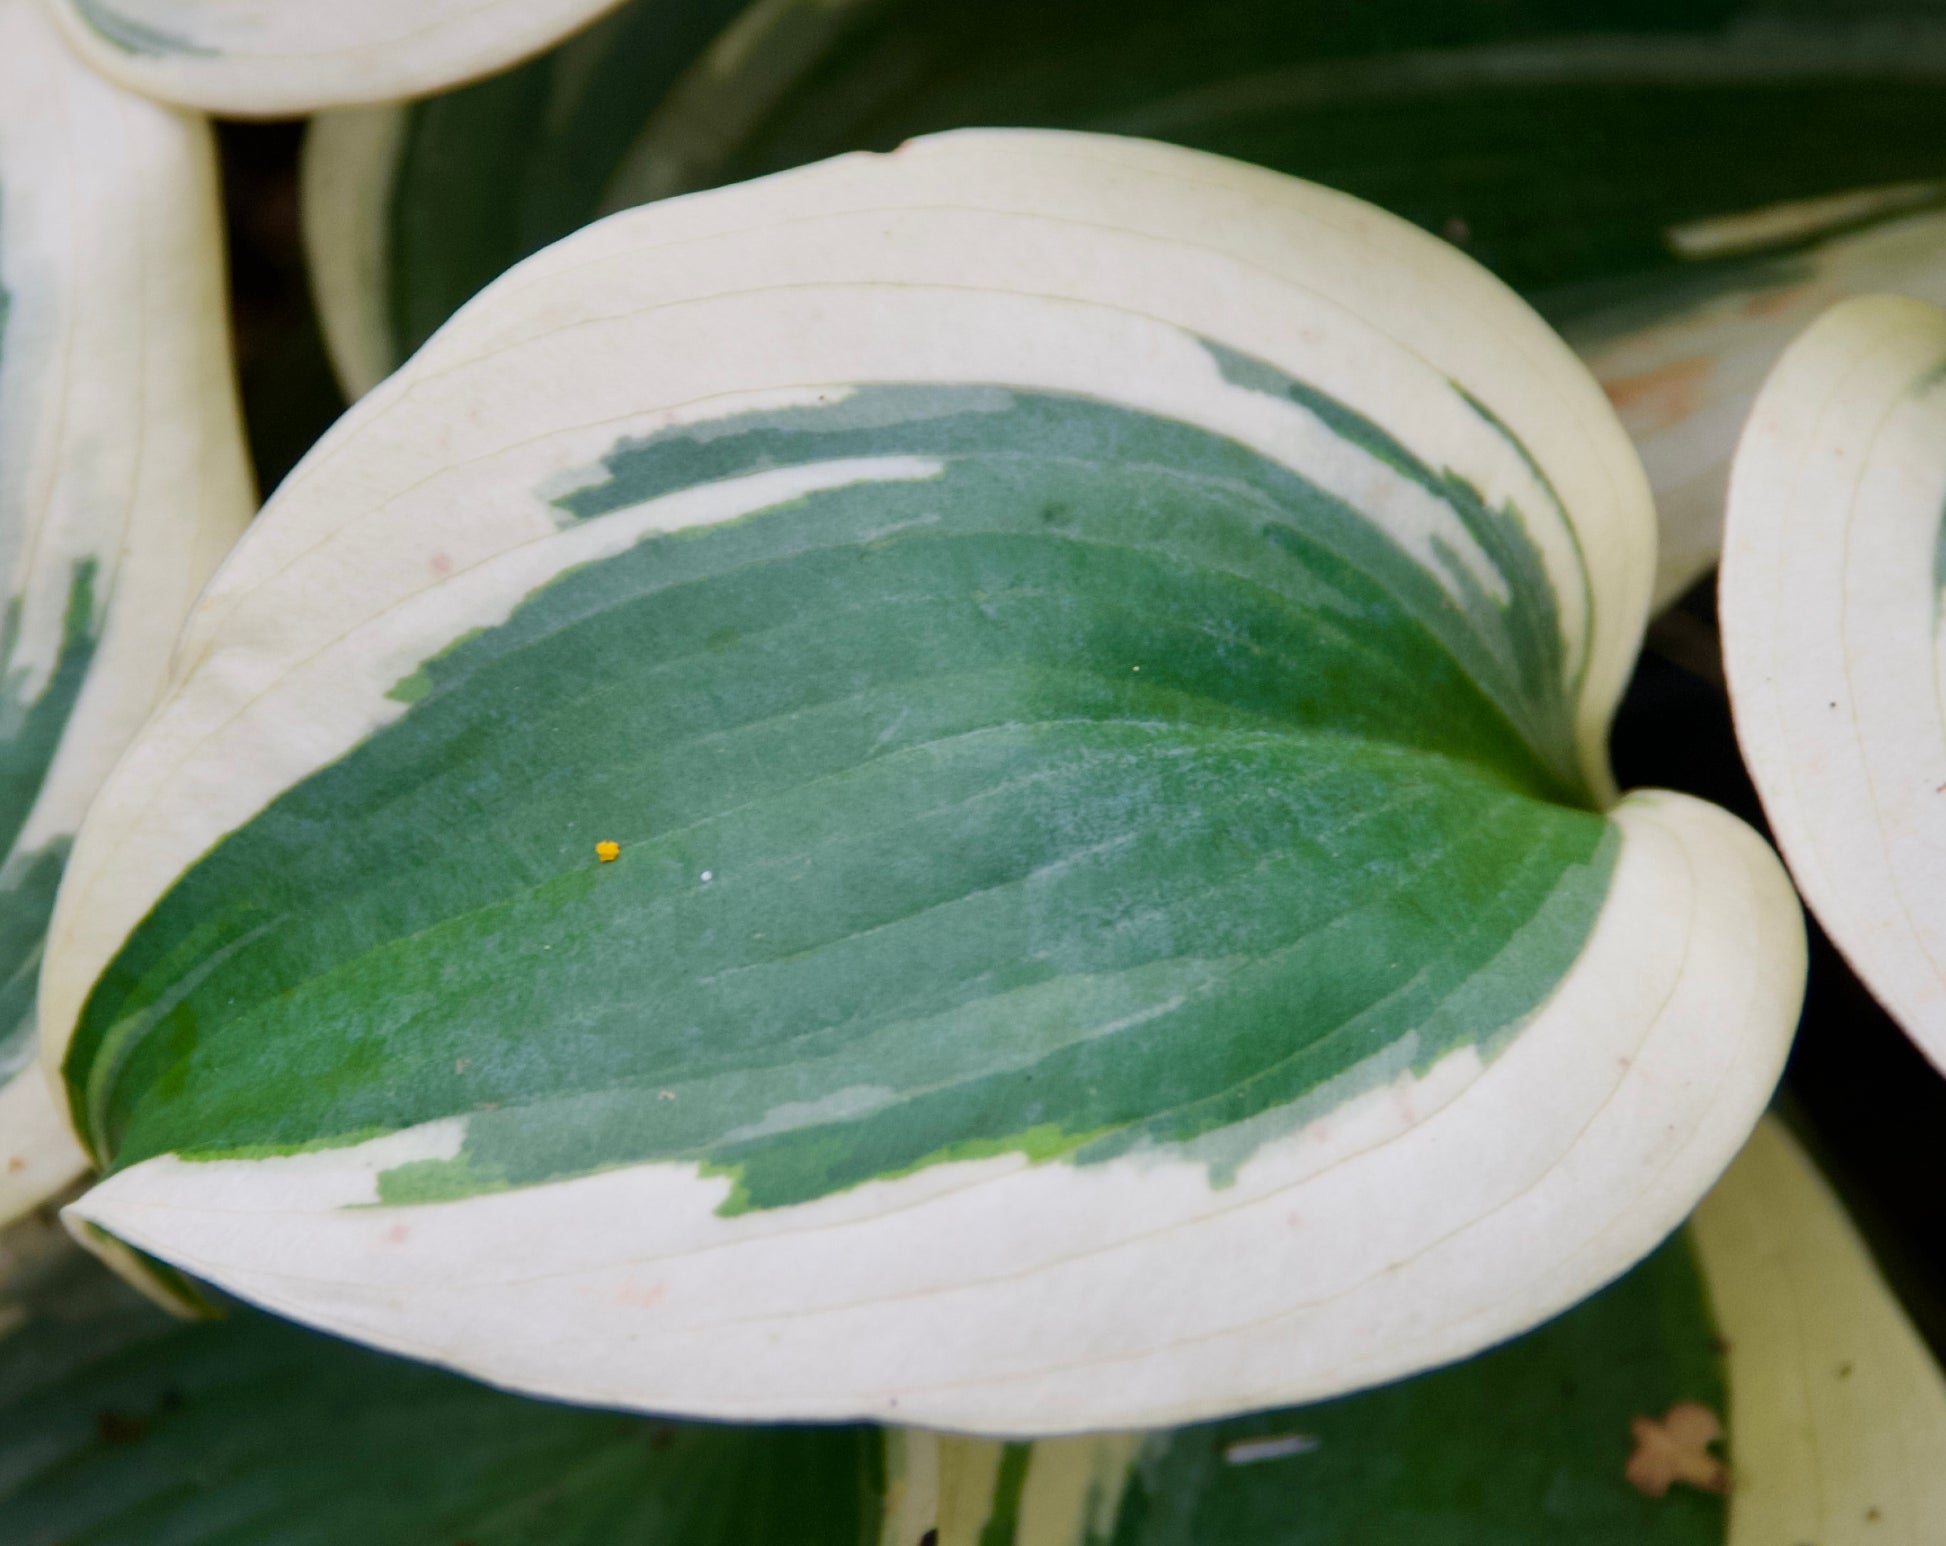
[1094,661]
[1831,588]
[122,482]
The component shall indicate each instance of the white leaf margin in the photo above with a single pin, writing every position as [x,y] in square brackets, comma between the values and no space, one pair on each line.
[1837,1417]
[248,59]
[1682,361]
[347,172]
[1830,598]
[1837,1407]
[121,439]
[1683,369]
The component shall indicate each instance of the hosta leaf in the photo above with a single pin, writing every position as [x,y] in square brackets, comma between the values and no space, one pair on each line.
[248,59]
[1837,1418]
[122,481]
[1837,1409]
[1521,1446]
[1831,632]
[1682,360]
[965,786]
[1569,147]
[122,1427]
[454,189]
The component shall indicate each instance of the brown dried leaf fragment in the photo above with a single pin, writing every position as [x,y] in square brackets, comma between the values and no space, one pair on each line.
[1677,1449]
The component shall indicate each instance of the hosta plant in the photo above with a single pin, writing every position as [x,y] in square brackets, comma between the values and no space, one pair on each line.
[966,787]
[932,832]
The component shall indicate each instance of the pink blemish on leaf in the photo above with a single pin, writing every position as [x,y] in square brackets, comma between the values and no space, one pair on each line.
[1659,398]
[643,1298]
[398,1234]
[442,563]
[1677,1449]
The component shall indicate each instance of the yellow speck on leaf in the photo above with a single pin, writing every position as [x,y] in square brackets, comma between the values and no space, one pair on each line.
[608,853]
[1677,1449]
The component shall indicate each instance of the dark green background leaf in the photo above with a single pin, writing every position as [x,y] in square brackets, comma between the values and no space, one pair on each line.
[120,1427]
[1556,140]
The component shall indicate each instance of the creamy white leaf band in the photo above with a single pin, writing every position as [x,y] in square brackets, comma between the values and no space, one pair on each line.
[1831,633]
[122,482]
[1679,289]
[247,59]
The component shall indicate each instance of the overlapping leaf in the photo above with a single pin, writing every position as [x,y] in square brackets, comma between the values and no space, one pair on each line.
[1831,630]
[119,1428]
[122,1427]
[1682,357]
[1638,165]
[122,481]
[966,787]
[247,59]
[1837,1408]
[1837,1419]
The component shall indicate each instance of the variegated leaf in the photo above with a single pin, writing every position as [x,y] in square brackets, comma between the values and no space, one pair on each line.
[246,58]
[1832,579]
[117,1429]
[1837,1407]
[122,1427]
[1526,1445]
[1683,359]
[966,786]
[1836,1419]
[1651,173]
[122,481]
